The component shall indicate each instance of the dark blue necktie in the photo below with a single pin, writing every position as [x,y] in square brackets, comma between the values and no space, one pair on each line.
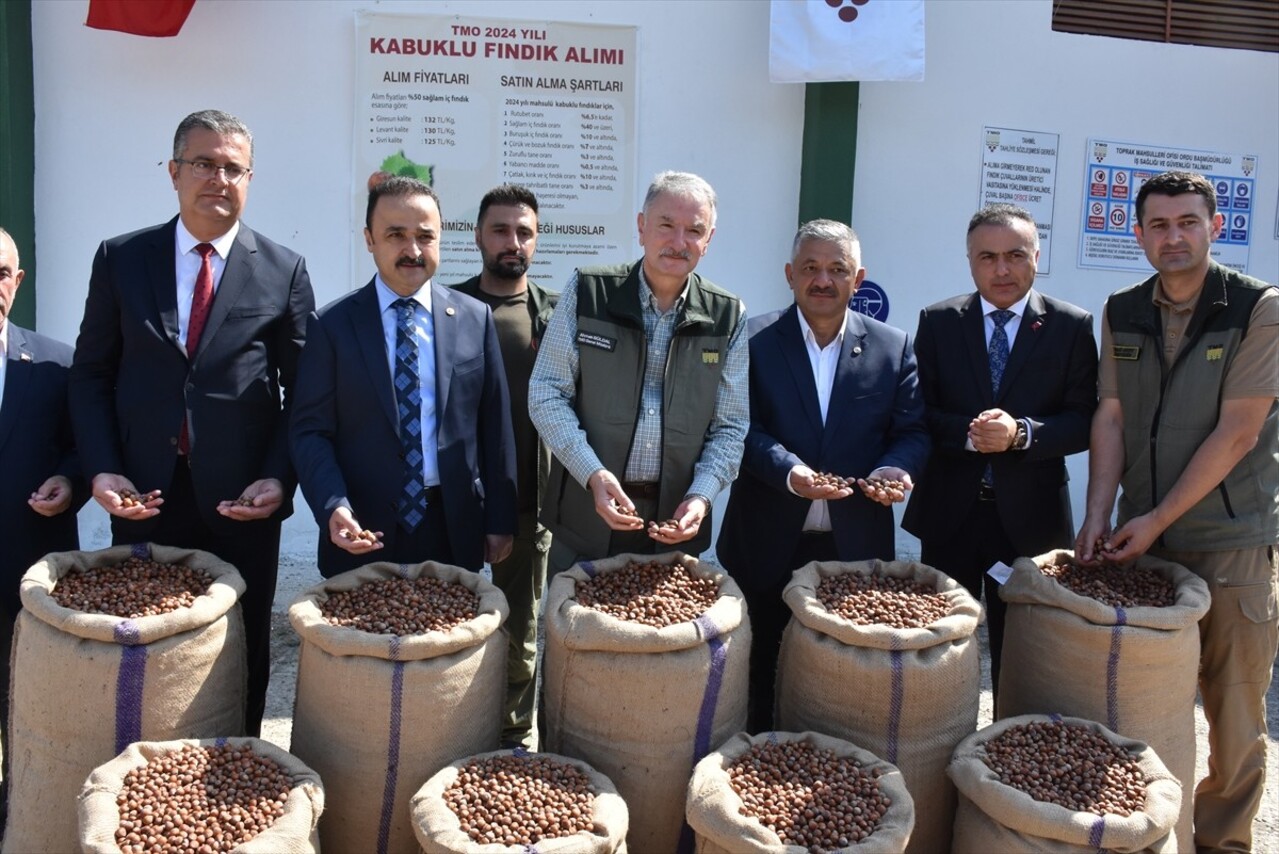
[408,399]
[998,356]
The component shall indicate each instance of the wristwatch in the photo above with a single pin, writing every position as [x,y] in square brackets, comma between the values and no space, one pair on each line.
[1022,438]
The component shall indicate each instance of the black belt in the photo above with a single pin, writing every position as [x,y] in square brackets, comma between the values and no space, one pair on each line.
[985,492]
[431,494]
[649,489]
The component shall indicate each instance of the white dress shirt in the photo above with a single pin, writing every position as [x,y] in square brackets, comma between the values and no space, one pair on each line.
[823,361]
[187,267]
[424,333]
[4,356]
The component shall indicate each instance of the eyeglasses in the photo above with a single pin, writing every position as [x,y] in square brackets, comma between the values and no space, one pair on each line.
[205,169]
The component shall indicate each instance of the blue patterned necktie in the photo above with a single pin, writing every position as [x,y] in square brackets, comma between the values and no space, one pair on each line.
[998,353]
[998,356]
[408,399]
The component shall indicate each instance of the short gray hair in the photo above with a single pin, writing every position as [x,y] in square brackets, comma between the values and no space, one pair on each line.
[1004,215]
[686,185]
[829,231]
[217,121]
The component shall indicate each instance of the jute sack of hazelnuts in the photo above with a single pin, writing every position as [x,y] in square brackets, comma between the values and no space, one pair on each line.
[643,704]
[718,815]
[84,685]
[109,795]
[908,695]
[378,713]
[540,787]
[994,817]
[1133,669]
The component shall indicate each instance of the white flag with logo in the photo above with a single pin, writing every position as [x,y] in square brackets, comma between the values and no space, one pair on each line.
[822,40]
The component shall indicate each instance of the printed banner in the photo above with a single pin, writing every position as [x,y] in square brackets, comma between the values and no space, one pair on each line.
[1115,172]
[822,40]
[1019,167]
[468,103]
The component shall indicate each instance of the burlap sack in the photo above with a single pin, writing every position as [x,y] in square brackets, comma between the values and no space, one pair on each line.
[993,817]
[1136,670]
[377,715]
[439,831]
[85,686]
[714,808]
[906,695]
[640,704]
[292,833]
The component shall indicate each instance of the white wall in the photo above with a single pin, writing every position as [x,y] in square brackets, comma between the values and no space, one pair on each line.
[107,104]
[998,62]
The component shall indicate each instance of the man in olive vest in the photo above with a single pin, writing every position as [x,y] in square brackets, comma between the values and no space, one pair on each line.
[1188,426]
[640,390]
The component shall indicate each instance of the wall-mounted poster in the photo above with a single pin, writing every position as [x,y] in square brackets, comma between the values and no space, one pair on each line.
[1019,167]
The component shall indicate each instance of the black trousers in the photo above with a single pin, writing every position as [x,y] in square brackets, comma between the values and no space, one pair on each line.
[981,543]
[254,549]
[769,616]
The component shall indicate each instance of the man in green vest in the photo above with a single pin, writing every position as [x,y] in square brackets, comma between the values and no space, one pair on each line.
[1188,426]
[640,390]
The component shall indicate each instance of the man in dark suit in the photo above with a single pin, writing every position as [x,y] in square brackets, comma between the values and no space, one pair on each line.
[401,416]
[190,331]
[833,392]
[995,486]
[41,487]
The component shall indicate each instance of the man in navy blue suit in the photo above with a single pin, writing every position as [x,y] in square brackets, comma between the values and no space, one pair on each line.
[831,391]
[41,487]
[189,343]
[401,429]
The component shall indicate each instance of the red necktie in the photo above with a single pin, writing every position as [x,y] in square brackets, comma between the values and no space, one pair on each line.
[200,302]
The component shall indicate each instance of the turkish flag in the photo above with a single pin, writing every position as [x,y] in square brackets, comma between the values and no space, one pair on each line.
[140,17]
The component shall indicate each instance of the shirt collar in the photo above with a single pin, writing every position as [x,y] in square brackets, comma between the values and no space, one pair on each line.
[1161,299]
[808,330]
[221,245]
[1018,308]
[649,300]
[386,296]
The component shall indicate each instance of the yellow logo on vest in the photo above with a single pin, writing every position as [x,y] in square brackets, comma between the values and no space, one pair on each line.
[1214,353]
[1125,352]
[710,357]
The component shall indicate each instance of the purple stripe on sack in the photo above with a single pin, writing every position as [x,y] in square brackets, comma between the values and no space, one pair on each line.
[1112,669]
[706,715]
[1096,832]
[141,551]
[1055,717]
[403,570]
[392,750]
[221,741]
[588,568]
[128,685]
[897,691]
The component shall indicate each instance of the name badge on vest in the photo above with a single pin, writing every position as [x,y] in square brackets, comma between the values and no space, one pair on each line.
[1125,352]
[599,342]
[1214,353]
[710,357]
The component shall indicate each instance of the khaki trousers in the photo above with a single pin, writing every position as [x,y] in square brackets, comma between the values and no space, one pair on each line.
[522,577]
[1239,637]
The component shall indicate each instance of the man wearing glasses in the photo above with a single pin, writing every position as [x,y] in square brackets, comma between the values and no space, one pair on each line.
[190,331]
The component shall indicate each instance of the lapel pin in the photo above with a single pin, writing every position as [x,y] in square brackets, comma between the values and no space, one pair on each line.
[24,357]
[1034,327]
[857,351]
[449,311]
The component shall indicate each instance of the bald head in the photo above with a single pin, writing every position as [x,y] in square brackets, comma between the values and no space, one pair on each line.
[10,275]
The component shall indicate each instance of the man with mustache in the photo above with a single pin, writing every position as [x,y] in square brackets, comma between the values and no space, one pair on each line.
[506,234]
[191,331]
[831,391]
[401,428]
[1188,425]
[640,390]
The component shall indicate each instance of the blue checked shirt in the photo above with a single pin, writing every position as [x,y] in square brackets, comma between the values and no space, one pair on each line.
[553,389]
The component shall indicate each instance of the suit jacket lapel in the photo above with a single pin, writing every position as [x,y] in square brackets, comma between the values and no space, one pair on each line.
[973,326]
[161,262]
[1028,337]
[791,341]
[843,390]
[17,375]
[443,317]
[236,276]
[370,337]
